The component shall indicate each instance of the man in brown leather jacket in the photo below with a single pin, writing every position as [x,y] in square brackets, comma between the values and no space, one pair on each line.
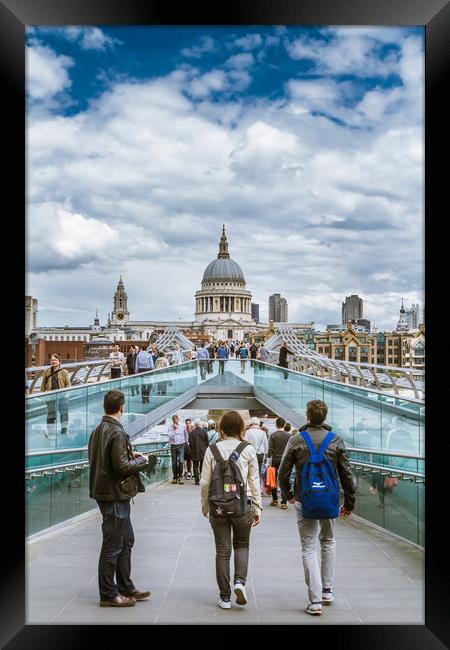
[114,480]
[319,578]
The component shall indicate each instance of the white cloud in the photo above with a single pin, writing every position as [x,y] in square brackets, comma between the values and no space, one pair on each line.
[206,44]
[89,38]
[314,209]
[47,71]
[349,50]
[240,61]
[248,42]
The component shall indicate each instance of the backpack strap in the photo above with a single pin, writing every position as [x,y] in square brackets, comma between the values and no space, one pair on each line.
[325,442]
[317,456]
[216,453]
[242,445]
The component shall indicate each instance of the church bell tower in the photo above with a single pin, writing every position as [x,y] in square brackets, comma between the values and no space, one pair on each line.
[120,314]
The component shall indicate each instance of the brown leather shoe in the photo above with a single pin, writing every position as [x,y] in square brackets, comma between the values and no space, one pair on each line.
[118,601]
[138,595]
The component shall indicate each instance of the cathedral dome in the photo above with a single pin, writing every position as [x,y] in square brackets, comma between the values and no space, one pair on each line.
[223,268]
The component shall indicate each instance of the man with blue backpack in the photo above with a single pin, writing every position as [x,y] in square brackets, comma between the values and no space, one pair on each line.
[319,457]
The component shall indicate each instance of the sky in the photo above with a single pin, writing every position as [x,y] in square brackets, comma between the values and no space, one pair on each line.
[307,143]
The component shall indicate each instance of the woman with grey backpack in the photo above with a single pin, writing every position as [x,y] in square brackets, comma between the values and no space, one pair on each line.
[231,498]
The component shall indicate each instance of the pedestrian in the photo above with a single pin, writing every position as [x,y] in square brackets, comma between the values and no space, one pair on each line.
[213,434]
[212,356]
[253,353]
[263,354]
[258,438]
[187,451]
[131,366]
[232,350]
[313,532]
[243,354]
[116,361]
[55,378]
[282,359]
[114,480]
[222,355]
[177,355]
[198,442]
[203,357]
[161,362]
[144,363]
[178,437]
[232,531]
[155,354]
[277,444]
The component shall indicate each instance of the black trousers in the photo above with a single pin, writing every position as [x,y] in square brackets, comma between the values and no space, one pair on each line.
[116,373]
[115,554]
[276,465]
[198,464]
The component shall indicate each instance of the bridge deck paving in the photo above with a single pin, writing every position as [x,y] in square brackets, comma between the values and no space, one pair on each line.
[379,579]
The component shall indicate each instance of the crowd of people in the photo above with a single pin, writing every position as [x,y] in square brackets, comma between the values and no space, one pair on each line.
[216,452]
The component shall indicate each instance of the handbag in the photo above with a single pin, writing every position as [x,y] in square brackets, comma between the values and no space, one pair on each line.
[271,481]
[389,483]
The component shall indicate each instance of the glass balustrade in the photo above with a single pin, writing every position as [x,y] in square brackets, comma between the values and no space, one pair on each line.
[366,420]
[362,417]
[58,489]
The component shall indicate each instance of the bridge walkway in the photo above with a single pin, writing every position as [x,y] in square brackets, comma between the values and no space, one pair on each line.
[379,579]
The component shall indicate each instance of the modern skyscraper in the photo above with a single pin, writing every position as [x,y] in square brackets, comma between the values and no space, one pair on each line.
[352,309]
[255,312]
[278,308]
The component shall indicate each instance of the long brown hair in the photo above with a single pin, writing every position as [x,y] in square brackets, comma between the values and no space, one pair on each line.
[232,425]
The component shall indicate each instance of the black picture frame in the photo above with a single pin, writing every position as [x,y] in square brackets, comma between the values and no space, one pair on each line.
[435,16]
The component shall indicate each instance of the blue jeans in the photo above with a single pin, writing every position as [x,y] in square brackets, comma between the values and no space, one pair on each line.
[115,554]
[177,453]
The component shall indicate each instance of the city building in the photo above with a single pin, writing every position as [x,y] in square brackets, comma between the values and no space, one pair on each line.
[31,314]
[223,311]
[255,312]
[352,309]
[278,308]
[403,321]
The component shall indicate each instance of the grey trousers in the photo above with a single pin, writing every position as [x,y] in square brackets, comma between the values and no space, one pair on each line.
[222,529]
[316,533]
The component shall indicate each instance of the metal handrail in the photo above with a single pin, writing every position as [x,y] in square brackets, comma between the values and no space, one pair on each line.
[381,452]
[124,377]
[339,383]
[388,471]
[70,450]
[45,470]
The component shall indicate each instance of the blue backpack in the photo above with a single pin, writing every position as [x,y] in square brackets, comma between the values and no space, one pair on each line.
[319,489]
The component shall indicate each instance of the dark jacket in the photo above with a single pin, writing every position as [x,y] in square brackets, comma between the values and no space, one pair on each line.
[277,444]
[114,473]
[296,453]
[253,351]
[282,360]
[198,442]
[131,363]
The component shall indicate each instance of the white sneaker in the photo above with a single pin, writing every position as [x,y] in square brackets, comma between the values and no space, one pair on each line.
[314,608]
[224,604]
[241,596]
[327,597]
